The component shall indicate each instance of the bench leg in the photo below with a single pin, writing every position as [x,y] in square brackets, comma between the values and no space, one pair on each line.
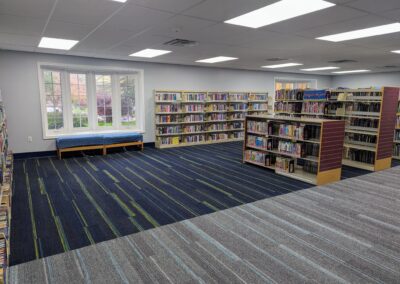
[142,147]
[104,151]
[59,154]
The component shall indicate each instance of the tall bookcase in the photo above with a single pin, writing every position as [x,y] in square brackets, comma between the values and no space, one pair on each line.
[185,118]
[301,148]
[370,122]
[396,147]
[6,169]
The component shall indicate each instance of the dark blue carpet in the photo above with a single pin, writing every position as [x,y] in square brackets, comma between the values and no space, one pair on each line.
[78,201]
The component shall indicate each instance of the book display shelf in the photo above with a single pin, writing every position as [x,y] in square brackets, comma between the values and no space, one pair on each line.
[396,147]
[289,95]
[301,148]
[6,170]
[185,118]
[369,115]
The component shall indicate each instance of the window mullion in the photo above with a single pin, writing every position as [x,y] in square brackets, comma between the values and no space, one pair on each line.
[116,102]
[66,100]
[92,103]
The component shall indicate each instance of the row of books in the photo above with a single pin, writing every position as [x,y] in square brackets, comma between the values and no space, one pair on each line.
[287,107]
[178,130]
[294,94]
[398,122]
[258,106]
[284,165]
[217,107]
[313,107]
[361,138]
[396,150]
[194,96]
[366,107]
[290,148]
[259,142]
[258,97]
[168,97]
[397,135]
[194,107]
[297,131]
[364,122]
[168,108]
[359,155]
[257,126]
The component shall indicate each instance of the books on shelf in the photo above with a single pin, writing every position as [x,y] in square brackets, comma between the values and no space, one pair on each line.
[187,117]
[289,95]
[305,149]
[168,96]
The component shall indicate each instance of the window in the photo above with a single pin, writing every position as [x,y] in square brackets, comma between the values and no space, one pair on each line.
[104,100]
[79,99]
[127,90]
[54,106]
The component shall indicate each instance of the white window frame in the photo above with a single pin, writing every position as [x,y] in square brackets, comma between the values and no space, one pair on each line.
[90,72]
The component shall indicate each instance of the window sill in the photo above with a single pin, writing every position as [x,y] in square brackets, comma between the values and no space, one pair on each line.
[54,136]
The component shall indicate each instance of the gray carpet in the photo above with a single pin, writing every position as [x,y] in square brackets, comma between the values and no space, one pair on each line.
[347,232]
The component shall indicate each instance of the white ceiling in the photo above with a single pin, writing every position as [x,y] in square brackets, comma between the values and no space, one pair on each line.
[108,29]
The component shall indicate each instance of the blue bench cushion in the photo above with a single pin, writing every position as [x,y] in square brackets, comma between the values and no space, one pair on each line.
[97,139]
[79,140]
[114,138]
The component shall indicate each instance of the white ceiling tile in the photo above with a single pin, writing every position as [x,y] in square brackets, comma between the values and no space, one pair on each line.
[12,39]
[344,26]
[72,31]
[181,27]
[374,6]
[136,18]
[222,10]
[103,38]
[324,17]
[174,6]
[27,8]
[21,25]
[84,12]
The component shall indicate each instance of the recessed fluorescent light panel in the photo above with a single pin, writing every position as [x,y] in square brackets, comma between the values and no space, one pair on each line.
[351,71]
[150,53]
[279,11]
[320,68]
[396,51]
[282,65]
[216,59]
[363,33]
[57,43]
[121,1]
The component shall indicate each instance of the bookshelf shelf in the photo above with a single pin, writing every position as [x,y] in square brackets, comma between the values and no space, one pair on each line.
[300,148]
[396,142]
[185,118]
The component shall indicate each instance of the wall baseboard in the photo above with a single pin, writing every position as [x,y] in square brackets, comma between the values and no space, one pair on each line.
[29,155]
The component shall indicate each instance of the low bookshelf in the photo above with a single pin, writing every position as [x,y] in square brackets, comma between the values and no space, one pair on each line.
[301,148]
[288,101]
[185,118]
[396,147]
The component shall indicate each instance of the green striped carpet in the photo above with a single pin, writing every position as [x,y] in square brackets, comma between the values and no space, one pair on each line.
[63,205]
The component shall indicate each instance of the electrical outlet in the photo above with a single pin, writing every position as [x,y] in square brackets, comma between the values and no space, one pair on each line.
[30,139]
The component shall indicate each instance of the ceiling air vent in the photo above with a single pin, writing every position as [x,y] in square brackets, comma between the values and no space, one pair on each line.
[341,61]
[181,42]
[391,66]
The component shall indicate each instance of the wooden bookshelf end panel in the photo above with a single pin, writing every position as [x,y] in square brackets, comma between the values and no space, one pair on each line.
[387,124]
[331,145]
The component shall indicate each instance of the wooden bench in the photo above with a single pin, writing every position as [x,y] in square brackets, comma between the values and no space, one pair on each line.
[97,142]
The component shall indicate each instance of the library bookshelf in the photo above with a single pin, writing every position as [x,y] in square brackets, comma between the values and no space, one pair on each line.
[396,147]
[301,148]
[187,118]
[369,115]
[6,170]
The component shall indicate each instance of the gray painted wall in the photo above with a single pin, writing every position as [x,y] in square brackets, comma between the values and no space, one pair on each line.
[20,89]
[367,80]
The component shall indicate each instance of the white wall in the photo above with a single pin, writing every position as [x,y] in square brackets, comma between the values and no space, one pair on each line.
[367,80]
[20,89]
